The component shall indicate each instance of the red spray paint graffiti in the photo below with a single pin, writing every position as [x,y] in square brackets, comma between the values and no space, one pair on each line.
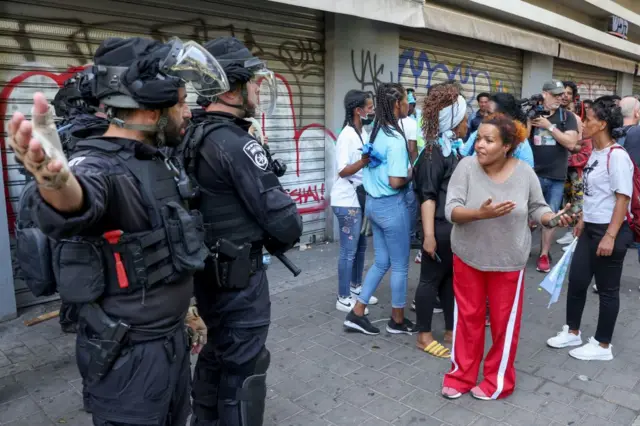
[309,194]
[5,94]
[300,195]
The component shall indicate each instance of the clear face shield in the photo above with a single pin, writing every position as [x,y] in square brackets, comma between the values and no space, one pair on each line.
[265,80]
[193,64]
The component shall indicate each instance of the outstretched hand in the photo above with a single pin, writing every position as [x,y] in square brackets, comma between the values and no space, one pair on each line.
[491,210]
[27,143]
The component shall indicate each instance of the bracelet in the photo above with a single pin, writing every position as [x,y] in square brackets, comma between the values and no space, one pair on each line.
[610,234]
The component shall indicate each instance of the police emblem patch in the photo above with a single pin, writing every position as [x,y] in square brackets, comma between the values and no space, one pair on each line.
[257,155]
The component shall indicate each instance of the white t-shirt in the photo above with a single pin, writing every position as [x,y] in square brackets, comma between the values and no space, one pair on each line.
[348,151]
[410,128]
[600,185]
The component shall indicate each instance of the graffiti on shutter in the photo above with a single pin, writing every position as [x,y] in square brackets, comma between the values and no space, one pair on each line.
[45,53]
[428,58]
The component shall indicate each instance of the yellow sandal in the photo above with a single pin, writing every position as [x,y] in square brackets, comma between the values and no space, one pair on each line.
[436,349]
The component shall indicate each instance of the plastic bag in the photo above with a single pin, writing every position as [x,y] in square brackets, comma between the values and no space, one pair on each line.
[552,283]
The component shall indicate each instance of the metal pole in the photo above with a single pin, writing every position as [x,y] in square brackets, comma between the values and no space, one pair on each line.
[8,309]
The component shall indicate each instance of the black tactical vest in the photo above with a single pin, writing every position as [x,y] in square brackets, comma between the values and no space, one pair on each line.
[223,212]
[87,268]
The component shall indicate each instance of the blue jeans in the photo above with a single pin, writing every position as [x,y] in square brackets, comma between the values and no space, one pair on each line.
[553,191]
[352,248]
[390,224]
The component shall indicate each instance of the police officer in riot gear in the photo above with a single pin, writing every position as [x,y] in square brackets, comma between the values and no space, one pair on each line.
[244,209]
[125,245]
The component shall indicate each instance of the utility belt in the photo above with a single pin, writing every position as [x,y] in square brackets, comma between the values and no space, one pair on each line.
[234,265]
[106,338]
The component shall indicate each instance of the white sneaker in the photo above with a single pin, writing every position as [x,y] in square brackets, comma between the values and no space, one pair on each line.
[566,238]
[565,248]
[592,351]
[564,339]
[355,292]
[346,304]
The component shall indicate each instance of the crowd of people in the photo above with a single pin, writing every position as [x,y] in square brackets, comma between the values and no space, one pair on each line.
[454,182]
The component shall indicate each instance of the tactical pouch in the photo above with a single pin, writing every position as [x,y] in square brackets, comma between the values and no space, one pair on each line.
[233,265]
[185,232]
[79,270]
[33,255]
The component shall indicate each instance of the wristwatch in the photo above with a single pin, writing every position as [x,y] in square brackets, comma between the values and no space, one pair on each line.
[552,128]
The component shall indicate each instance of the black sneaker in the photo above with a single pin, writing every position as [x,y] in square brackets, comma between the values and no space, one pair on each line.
[361,324]
[405,328]
[437,306]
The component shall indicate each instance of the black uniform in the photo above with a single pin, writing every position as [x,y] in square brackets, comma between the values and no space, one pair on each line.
[242,202]
[127,187]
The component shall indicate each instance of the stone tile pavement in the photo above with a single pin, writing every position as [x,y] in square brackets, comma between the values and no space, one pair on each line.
[322,375]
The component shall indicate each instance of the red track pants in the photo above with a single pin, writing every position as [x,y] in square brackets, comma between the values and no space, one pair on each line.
[505,292]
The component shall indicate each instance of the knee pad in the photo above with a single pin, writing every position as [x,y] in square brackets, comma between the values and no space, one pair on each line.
[242,397]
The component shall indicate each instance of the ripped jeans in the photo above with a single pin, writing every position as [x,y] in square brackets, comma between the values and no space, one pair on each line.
[352,249]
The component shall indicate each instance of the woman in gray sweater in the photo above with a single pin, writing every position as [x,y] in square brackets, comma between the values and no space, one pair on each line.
[490,199]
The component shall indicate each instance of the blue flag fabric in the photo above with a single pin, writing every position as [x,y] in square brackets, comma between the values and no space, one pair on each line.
[552,283]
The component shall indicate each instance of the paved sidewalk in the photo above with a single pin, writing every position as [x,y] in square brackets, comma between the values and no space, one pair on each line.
[322,375]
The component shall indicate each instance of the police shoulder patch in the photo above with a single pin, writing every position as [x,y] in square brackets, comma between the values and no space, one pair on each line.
[256,154]
[76,161]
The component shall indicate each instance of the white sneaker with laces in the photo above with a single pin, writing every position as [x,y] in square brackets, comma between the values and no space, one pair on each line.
[566,238]
[346,304]
[564,339]
[355,292]
[592,351]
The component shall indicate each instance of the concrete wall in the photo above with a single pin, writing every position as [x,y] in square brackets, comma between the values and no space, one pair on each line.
[360,54]
[536,69]
[624,86]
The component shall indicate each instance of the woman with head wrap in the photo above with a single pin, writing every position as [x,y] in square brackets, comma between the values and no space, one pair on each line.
[505,103]
[444,115]
[490,198]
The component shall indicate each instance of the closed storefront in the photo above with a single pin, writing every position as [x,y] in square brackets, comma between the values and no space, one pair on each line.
[592,82]
[636,86]
[429,57]
[43,43]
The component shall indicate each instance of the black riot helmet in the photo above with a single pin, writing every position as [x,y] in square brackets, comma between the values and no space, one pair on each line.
[241,67]
[75,97]
[139,73]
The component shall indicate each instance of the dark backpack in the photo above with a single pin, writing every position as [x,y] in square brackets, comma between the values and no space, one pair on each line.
[634,218]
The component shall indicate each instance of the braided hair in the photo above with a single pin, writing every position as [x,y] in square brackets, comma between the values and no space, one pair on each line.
[386,97]
[352,100]
[439,97]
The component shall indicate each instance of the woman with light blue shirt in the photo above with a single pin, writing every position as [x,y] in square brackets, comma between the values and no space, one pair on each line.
[505,103]
[386,180]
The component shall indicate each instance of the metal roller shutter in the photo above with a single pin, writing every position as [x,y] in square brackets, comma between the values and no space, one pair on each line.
[428,58]
[636,86]
[42,42]
[592,82]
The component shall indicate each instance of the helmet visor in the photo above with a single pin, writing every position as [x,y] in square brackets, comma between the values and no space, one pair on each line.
[268,90]
[196,66]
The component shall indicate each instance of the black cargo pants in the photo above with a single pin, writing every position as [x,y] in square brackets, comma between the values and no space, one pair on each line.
[149,383]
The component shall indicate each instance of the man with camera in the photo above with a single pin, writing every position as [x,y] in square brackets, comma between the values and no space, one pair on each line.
[554,136]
